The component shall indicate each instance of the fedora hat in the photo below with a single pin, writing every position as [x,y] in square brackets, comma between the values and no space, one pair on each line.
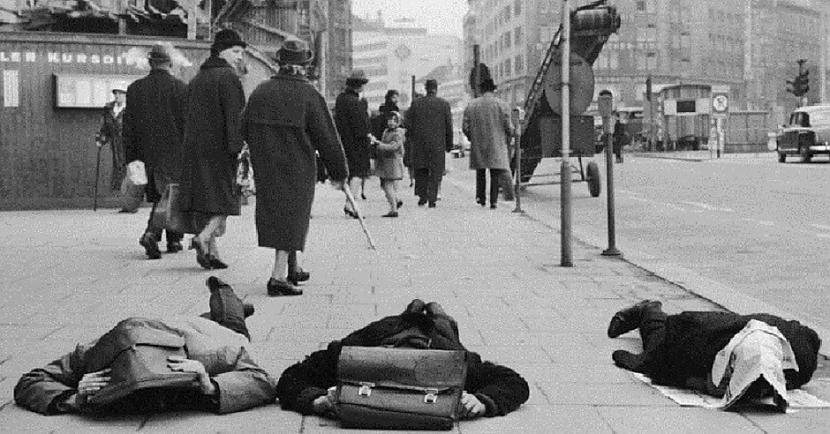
[358,77]
[294,52]
[225,39]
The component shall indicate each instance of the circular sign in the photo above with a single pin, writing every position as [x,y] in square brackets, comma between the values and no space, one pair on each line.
[402,52]
[720,103]
[582,84]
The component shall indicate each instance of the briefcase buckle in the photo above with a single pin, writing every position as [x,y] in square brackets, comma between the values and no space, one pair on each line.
[365,389]
[431,396]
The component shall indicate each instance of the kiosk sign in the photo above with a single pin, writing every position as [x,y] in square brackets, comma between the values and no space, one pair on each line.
[720,101]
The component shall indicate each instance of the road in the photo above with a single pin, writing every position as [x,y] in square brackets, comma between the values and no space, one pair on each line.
[748,222]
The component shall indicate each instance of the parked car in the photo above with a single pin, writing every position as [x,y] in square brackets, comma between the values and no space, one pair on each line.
[806,134]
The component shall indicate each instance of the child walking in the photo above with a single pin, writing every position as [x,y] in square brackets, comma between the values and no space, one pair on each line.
[389,166]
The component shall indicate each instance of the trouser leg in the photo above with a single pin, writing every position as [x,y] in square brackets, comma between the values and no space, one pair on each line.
[495,180]
[652,329]
[173,237]
[227,309]
[421,180]
[433,183]
[151,229]
[480,182]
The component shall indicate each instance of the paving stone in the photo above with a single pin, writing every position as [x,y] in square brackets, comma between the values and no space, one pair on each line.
[541,418]
[633,419]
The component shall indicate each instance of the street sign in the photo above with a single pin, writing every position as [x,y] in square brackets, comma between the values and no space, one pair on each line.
[720,101]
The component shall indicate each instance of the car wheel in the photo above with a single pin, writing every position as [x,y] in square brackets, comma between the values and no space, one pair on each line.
[782,157]
[805,155]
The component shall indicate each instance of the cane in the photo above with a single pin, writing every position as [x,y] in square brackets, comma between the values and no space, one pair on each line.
[350,198]
[97,170]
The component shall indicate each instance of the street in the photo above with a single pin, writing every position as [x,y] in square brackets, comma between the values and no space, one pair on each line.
[745,221]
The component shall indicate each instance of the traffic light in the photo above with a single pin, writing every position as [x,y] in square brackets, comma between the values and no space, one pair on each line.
[801,84]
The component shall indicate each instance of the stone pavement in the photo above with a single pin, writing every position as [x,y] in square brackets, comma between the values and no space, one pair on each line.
[702,155]
[68,276]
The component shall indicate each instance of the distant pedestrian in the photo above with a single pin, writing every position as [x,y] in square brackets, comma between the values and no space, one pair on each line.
[429,128]
[285,122]
[153,132]
[110,133]
[390,104]
[488,125]
[389,150]
[620,138]
[213,140]
[352,120]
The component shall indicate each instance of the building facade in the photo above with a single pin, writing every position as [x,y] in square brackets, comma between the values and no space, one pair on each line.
[390,55]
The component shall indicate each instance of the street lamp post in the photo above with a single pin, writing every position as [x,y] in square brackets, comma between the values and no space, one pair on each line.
[565,169]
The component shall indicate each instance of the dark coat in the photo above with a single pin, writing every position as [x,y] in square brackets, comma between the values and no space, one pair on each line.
[213,139]
[285,121]
[111,131]
[378,122]
[693,339]
[241,383]
[499,388]
[154,128]
[429,130]
[353,126]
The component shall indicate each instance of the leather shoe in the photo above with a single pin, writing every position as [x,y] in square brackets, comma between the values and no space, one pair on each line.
[390,214]
[629,319]
[151,246]
[422,201]
[432,204]
[434,308]
[216,263]
[298,276]
[415,306]
[278,288]
[173,247]
[628,360]
[248,309]
[201,253]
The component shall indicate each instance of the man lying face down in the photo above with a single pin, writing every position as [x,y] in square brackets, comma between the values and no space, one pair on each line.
[490,389]
[723,354]
[214,370]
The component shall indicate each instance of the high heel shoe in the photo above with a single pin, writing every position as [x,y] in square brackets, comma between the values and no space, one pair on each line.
[216,263]
[201,257]
[298,276]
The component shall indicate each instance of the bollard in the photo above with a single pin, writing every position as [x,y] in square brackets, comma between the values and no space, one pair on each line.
[605,104]
[518,117]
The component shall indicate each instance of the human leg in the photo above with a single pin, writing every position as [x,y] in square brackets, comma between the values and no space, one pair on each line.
[296,274]
[278,284]
[481,180]
[387,187]
[495,179]
[213,244]
[421,185]
[174,241]
[152,234]
[225,307]
[434,181]
[651,321]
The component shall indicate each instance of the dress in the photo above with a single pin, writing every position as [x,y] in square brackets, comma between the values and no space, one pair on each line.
[213,139]
[111,128]
[285,122]
[353,126]
[390,155]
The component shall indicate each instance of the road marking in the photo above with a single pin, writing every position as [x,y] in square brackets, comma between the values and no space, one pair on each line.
[708,207]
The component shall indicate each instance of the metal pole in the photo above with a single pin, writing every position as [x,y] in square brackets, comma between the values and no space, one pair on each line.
[97,171]
[565,169]
[518,156]
[412,98]
[609,167]
[477,68]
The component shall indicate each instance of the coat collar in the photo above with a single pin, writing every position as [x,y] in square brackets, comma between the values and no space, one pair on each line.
[289,77]
[215,62]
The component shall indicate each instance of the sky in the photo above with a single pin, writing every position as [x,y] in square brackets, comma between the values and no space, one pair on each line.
[438,16]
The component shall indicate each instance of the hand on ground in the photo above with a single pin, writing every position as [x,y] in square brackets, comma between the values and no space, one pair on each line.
[471,407]
[92,382]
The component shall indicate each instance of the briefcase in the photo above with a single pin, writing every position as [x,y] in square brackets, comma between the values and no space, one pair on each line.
[396,388]
[143,365]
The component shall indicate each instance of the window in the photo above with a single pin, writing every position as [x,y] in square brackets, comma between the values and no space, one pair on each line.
[517,7]
[517,36]
[506,38]
[519,64]
[508,67]
[641,5]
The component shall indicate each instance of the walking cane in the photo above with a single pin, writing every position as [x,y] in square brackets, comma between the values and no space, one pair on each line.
[97,170]
[350,198]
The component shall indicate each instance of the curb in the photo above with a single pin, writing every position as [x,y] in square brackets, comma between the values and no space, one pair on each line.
[688,280]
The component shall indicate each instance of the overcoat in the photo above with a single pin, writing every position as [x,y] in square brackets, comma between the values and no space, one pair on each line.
[111,129]
[353,126]
[213,139]
[693,339]
[154,128]
[242,384]
[285,121]
[499,388]
[390,155]
[428,126]
[487,124]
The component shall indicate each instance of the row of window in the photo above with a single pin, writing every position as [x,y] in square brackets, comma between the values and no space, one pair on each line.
[504,15]
[503,42]
[508,68]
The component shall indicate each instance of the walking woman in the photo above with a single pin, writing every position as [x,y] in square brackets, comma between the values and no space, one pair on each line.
[213,139]
[352,121]
[390,161]
[285,122]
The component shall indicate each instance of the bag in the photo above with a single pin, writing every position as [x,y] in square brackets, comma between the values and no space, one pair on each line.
[168,213]
[397,388]
[132,195]
[136,173]
[138,359]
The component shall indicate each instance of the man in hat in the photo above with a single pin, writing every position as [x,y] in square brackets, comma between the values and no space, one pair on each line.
[352,120]
[153,132]
[488,125]
[213,139]
[429,127]
[110,134]
[285,123]
[719,353]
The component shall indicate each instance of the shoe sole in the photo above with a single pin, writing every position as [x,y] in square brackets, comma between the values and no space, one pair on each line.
[151,249]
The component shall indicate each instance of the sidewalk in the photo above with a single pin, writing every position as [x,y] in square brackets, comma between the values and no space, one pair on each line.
[68,276]
[703,155]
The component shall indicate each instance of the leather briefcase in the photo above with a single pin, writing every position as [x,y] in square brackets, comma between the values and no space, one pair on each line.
[397,388]
[140,363]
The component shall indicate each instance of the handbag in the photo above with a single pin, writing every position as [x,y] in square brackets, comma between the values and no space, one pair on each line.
[399,388]
[136,173]
[169,215]
[137,358]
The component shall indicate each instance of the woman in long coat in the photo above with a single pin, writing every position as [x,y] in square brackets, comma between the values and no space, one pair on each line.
[352,121]
[213,139]
[285,122]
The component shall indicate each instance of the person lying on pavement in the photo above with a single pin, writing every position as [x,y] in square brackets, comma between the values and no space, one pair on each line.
[307,387]
[213,347]
[722,354]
